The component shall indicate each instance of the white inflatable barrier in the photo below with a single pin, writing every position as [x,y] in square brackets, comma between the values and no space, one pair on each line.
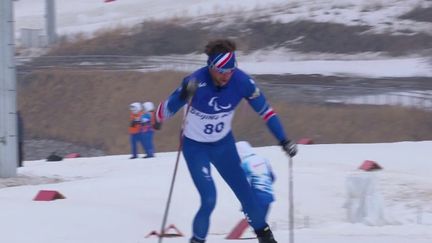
[364,203]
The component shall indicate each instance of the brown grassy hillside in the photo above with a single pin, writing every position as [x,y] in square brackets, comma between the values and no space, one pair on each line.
[91,108]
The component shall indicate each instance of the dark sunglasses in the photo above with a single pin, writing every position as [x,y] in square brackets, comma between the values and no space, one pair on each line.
[223,70]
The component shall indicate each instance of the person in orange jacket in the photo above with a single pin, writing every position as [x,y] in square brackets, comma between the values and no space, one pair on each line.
[135,128]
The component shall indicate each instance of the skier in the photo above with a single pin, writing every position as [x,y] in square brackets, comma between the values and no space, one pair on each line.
[259,174]
[135,133]
[147,128]
[212,94]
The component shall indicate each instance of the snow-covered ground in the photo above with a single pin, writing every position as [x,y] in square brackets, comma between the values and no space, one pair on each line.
[114,199]
[412,98]
[93,15]
[90,15]
[285,62]
[384,67]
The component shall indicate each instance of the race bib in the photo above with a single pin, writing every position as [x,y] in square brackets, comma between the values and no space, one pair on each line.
[203,127]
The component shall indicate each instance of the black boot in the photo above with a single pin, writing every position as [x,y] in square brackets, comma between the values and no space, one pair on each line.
[265,235]
[195,240]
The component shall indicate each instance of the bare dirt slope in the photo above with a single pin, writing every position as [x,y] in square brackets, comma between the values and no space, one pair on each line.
[91,108]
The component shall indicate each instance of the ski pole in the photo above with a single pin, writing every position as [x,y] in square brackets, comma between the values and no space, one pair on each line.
[179,149]
[291,200]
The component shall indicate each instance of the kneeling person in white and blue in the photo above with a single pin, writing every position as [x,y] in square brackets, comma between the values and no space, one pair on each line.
[259,174]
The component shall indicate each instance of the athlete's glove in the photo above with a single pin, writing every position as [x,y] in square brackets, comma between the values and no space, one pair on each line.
[157,125]
[188,89]
[289,147]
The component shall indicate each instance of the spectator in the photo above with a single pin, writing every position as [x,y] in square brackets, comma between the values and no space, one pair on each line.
[135,128]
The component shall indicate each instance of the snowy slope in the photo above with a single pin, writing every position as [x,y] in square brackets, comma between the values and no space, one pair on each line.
[89,15]
[114,199]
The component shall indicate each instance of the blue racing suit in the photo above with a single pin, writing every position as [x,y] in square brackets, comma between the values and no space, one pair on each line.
[208,139]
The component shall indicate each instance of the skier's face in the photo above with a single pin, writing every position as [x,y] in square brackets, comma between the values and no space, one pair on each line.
[221,76]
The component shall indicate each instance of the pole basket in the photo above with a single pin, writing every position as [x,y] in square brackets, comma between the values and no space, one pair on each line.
[175,232]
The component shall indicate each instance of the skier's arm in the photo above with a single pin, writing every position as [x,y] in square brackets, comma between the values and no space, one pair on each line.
[259,104]
[176,100]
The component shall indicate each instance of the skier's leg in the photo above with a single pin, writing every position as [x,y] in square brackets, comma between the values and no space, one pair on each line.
[228,166]
[227,162]
[198,162]
[265,208]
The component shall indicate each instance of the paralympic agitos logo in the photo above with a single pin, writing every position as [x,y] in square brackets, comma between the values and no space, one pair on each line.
[216,106]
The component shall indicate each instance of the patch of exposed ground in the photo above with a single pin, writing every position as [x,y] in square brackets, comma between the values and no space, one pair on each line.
[91,109]
[21,180]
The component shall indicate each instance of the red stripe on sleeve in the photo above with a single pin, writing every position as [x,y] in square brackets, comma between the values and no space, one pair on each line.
[268,115]
[159,112]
